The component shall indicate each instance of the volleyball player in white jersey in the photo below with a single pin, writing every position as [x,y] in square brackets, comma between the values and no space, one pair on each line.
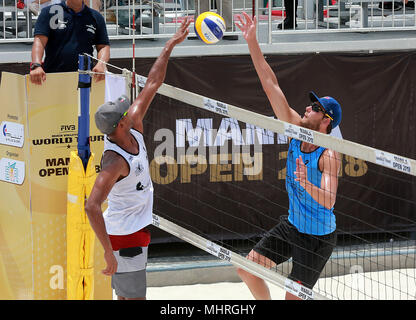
[125,180]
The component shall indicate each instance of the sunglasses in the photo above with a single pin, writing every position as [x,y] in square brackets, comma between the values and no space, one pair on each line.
[122,116]
[317,108]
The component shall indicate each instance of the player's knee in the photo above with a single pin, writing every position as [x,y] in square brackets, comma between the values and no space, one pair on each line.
[245,275]
[241,273]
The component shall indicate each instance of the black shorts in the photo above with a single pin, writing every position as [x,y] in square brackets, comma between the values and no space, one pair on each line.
[309,253]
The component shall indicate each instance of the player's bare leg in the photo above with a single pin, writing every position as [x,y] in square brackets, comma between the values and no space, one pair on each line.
[257,286]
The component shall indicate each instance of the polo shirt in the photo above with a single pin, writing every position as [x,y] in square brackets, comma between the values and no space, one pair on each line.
[69,34]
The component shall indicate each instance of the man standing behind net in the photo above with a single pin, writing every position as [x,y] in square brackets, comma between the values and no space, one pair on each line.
[125,179]
[62,32]
[307,234]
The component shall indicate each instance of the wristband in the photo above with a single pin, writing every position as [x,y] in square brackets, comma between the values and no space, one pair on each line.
[34,65]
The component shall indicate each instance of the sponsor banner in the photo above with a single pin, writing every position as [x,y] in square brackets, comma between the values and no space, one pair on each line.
[12,171]
[299,133]
[218,251]
[393,161]
[33,185]
[215,106]
[12,134]
[155,220]
[298,290]
[16,267]
[53,132]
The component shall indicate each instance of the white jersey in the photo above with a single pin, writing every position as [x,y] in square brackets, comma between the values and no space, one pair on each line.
[130,201]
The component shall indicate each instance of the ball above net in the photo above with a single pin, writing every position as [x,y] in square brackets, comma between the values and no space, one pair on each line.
[209,27]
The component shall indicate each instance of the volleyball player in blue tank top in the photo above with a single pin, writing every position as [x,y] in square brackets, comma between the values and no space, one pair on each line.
[307,234]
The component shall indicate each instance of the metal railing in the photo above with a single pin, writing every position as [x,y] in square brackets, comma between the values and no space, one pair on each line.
[160,19]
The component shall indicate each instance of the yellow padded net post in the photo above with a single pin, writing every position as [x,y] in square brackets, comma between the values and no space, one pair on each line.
[80,236]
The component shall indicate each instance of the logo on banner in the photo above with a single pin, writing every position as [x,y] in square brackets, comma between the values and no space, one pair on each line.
[64,137]
[12,171]
[12,134]
[393,161]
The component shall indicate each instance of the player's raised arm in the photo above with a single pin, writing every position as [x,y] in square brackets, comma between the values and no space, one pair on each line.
[156,77]
[266,75]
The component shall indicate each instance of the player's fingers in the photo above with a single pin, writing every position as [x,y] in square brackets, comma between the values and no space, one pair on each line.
[38,79]
[238,26]
[99,77]
[105,272]
[188,22]
[240,19]
[108,271]
[184,23]
[248,19]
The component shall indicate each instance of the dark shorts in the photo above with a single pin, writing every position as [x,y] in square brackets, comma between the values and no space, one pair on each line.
[309,253]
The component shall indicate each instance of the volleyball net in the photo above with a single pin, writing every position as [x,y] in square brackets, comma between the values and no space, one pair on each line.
[219,174]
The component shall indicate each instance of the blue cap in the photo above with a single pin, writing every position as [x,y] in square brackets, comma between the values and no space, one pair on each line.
[331,106]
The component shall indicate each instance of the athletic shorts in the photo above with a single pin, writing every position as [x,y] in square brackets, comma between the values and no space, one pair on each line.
[309,253]
[130,279]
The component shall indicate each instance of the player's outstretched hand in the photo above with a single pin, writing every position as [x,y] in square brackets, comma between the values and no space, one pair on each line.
[247,26]
[182,32]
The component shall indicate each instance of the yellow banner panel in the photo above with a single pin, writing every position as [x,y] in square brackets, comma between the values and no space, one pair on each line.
[33,237]
[53,117]
[15,218]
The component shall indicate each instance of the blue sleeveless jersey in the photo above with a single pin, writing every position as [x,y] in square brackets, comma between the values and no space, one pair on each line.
[307,215]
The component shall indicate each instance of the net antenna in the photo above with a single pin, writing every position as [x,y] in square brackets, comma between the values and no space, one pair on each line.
[84,86]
